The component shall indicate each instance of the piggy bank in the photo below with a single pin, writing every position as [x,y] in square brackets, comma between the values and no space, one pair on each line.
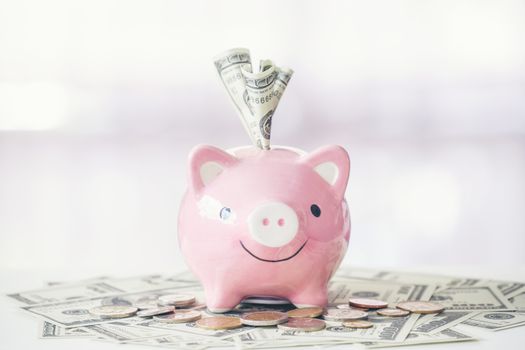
[265,223]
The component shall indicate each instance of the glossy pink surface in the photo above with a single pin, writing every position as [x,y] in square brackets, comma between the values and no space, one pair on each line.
[272,223]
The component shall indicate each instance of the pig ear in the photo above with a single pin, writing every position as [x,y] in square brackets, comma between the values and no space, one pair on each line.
[206,163]
[332,164]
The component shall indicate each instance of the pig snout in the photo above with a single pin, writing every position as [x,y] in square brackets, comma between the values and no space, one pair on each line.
[273,224]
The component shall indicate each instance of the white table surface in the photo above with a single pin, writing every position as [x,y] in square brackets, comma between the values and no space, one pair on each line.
[19,330]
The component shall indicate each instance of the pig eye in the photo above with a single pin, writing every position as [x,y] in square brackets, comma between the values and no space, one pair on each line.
[225,213]
[316,211]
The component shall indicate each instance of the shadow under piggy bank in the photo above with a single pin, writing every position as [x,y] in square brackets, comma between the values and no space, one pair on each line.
[265,222]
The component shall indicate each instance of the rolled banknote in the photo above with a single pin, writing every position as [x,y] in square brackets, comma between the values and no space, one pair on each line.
[281,82]
[255,94]
[261,99]
[228,66]
[264,65]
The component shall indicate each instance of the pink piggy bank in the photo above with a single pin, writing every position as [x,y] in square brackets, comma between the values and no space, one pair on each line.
[265,223]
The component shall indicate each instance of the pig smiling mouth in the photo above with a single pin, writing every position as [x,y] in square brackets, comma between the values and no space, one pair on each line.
[279,260]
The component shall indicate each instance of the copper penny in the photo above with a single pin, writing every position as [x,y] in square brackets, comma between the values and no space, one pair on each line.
[176,300]
[219,322]
[178,316]
[264,318]
[367,303]
[357,324]
[305,312]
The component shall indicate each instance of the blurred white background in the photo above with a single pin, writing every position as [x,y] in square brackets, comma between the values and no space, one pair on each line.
[101,101]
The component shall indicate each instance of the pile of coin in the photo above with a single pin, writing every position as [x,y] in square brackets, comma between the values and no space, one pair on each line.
[169,308]
[398,307]
[181,308]
[355,313]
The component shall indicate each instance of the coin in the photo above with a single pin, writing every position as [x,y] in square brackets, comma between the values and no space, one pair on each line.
[113,311]
[263,318]
[199,306]
[392,312]
[306,312]
[305,324]
[156,311]
[344,314]
[346,306]
[179,316]
[152,304]
[367,303]
[357,324]
[219,322]
[421,307]
[176,300]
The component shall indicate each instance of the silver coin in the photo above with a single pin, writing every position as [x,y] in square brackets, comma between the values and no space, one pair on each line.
[344,314]
[156,311]
[392,312]
[346,306]
[146,305]
[113,311]
[176,299]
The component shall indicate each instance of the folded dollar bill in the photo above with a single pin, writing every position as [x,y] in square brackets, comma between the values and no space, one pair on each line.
[255,92]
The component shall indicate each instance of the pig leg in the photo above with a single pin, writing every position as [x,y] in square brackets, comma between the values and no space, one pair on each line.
[310,296]
[221,300]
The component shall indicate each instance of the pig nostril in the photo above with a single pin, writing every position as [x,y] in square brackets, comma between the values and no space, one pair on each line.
[265,222]
[280,222]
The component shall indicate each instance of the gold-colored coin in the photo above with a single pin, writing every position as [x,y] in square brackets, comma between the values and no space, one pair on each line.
[305,324]
[219,322]
[264,318]
[305,312]
[393,312]
[357,324]
[421,307]
[367,303]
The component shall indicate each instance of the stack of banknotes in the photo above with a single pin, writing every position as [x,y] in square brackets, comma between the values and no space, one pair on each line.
[254,91]
[471,305]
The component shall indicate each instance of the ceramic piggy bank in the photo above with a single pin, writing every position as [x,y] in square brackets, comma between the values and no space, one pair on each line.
[265,223]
